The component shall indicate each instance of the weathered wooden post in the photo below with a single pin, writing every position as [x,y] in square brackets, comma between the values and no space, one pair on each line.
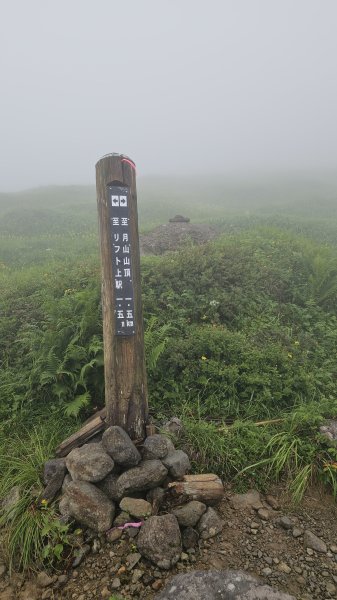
[124,359]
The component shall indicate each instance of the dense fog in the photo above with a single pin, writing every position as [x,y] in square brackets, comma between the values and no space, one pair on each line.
[183,87]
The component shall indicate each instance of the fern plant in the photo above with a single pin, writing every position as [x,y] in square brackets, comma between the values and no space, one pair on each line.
[323,278]
[67,354]
[156,338]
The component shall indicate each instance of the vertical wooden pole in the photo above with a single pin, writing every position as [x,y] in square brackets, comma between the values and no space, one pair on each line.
[124,358]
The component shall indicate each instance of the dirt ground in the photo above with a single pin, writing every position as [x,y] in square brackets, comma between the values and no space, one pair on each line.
[256,544]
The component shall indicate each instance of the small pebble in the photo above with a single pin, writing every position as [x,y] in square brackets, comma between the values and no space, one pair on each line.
[263,513]
[284,568]
[157,584]
[116,583]
[297,532]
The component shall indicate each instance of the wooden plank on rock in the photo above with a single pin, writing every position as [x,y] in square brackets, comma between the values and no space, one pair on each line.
[89,429]
[206,487]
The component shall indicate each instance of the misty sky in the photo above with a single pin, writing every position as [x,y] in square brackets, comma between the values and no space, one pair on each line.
[195,86]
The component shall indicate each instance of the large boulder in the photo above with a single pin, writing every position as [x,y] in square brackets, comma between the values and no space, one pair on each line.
[159,540]
[189,514]
[89,505]
[147,475]
[157,446]
[219,585]
[177,463]
[119,446]
[89,463]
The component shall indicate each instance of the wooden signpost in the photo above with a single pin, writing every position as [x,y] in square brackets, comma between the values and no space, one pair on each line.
[124,359]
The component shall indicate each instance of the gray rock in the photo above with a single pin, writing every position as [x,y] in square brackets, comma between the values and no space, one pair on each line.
[79,554]
[148,474]
[132,559]
[7,505]
[189,538]
[116,583]
[121,519]
[89,463]
[273,502]
[66,482]
[177,463]
[137,507]
[90,506]
[44,580]
[109,486]
[189,514]
[210,524]
[157,446]
[263,513]
[159,540]
[53,476]
[132,532]
[285,522]
[64,509]
[114,534]
[310,540]
[329,432]
[52,467]
[155,497]
[284,568]
[137,575]
[250,499]
[3,569]
[174,427]
[219,585]
[297,532]
[119,446]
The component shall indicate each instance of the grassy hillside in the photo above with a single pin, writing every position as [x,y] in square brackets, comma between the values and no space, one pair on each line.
[238,331]
[37,226]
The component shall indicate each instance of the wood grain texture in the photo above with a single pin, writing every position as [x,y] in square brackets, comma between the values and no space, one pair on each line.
[94,426]
[124,358]
[206,488]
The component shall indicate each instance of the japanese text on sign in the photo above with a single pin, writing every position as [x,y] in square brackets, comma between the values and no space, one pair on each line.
[121,260]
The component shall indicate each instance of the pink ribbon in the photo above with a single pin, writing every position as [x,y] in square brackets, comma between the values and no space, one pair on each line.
[126,525]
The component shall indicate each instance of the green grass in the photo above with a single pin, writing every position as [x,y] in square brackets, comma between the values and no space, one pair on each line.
[23,454]
[241,330]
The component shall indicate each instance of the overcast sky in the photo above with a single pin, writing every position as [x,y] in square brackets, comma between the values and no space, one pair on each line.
[194,86]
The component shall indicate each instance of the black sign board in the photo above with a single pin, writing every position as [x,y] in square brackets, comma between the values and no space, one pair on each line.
[121,259]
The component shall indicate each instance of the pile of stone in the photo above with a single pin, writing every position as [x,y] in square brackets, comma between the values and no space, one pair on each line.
[111,485]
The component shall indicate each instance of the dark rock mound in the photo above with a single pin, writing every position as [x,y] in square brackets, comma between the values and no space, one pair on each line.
[172,236]
[179,219]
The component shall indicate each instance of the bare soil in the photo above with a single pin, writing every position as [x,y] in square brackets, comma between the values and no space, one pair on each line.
[260,546]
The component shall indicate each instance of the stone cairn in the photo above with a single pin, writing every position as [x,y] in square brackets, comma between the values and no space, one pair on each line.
[111,485]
